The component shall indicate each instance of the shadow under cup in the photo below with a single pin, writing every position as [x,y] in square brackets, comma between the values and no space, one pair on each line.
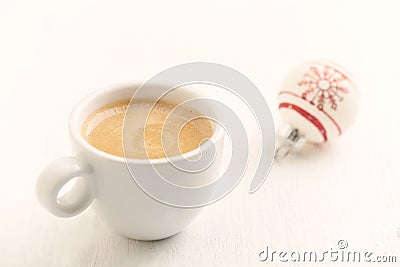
[117,198]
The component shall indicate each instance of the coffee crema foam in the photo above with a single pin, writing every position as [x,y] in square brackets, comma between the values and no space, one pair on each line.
[162,137]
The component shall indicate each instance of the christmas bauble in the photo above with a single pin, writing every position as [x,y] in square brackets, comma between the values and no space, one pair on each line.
[319,99]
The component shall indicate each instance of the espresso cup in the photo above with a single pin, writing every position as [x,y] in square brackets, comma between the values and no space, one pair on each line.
[105,183]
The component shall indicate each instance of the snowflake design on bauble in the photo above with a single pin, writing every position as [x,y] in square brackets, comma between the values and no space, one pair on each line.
[323,85]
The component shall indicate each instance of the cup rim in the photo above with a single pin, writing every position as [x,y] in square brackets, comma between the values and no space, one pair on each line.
[75,130]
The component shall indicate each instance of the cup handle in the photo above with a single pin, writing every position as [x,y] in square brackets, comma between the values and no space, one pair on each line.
[55,176]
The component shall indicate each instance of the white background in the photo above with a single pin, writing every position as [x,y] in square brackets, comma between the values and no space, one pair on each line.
[52,53]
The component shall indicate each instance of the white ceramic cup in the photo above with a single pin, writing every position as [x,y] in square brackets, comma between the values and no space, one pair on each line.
[105,183]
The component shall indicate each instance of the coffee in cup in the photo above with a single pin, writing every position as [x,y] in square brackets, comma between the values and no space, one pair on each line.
[183,131]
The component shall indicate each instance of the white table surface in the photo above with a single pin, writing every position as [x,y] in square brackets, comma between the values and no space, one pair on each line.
[52,53]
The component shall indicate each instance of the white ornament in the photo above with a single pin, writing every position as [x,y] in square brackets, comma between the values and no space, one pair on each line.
[319,101]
